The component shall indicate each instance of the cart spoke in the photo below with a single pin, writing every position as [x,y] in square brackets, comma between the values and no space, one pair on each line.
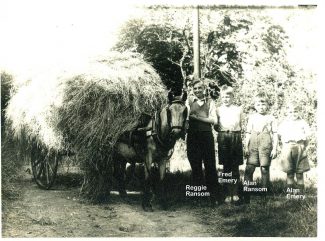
[44,172]
[47,173]
[36,162]
[39,172]
[50,167]
[44,166]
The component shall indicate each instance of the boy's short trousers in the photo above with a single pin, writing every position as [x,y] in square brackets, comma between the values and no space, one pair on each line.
[230,147]
[294,158]
[260,148]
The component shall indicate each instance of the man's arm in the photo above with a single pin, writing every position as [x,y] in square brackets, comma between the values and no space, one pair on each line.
[212,119]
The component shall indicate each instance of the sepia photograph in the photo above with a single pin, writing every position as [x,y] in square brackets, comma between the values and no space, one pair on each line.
[159,119]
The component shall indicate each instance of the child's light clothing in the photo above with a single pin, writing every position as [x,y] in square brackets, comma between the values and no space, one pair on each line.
[229,118]
[293,134]
[293,130]
[230,146]
[261,128]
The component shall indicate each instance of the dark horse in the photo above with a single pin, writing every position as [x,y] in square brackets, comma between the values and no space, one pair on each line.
[149,144]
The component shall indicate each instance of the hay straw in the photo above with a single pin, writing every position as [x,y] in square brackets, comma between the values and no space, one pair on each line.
[108,99]
[92,105]
[86,110]
[32,112]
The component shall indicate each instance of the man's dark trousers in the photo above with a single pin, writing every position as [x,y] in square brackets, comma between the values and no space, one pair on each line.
[201,148]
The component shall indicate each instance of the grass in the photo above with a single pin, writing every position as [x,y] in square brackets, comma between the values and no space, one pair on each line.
[11,164]
[277,217]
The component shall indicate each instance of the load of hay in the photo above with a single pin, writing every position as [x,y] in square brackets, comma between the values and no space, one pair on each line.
[32,112]
[87,110]
[102,103]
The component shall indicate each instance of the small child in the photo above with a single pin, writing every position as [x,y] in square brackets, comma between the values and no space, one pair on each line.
[230,146]
[294,132]
[261,142]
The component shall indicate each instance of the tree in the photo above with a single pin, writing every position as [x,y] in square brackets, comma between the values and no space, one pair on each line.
[245,48]
[161,46]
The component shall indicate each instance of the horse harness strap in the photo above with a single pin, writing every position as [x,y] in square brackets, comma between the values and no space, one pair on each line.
[154,130]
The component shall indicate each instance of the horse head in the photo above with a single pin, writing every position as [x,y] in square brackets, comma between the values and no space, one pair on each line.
[176,112]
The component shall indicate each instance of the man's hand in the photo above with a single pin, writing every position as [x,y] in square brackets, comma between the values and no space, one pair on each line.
[193,117]
[199,118]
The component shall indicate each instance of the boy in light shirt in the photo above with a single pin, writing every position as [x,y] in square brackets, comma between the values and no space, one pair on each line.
[261,142]
[294,133]
[230,146]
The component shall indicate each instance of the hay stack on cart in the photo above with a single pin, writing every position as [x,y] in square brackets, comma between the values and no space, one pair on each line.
[84,111]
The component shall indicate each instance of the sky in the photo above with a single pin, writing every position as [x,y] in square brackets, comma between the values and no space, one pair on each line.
[37,35]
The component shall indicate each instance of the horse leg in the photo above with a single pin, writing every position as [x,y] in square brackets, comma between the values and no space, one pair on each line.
[161,185]
[119,174]
[147,194]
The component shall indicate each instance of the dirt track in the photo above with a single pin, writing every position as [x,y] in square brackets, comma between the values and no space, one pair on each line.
[59,213]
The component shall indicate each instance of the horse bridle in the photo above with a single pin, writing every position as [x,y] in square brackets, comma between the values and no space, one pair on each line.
[182,127]
[157,123]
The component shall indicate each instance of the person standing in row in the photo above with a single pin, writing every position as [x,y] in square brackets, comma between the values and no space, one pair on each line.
[294,133]
[200,141]
[261,142]
[230,146]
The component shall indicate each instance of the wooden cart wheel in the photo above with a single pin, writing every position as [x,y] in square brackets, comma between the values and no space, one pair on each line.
[44,167]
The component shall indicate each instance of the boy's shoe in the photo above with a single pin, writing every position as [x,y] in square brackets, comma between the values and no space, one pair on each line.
[235,198]
[237,201]
[228,200]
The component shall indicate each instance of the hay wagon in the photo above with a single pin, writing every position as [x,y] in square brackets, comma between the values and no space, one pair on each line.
[82,112]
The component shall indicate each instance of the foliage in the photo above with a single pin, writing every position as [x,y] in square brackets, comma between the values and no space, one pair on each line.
[160,45]
[165,38]
[6,85]
[11,164]
[245,48]
[11,160]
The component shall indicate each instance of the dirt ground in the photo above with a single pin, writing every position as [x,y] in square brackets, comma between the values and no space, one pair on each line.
[60,213]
